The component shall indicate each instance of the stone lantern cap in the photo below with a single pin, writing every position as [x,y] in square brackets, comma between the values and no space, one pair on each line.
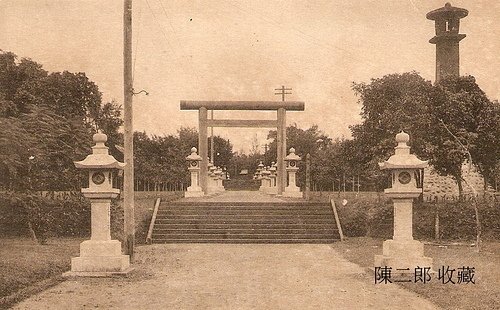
[194,155]
[100,158]
[402,159]
[266,172]
[447,12]
[292,155]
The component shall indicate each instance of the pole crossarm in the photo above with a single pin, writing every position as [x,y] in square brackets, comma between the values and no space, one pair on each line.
[242,123]
[243,105]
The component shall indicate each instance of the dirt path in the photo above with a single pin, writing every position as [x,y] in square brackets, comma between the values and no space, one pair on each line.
[233,276]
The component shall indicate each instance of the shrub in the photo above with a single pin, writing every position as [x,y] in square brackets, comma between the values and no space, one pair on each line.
[353,218]
[69,216]
[381,220]
[375,218]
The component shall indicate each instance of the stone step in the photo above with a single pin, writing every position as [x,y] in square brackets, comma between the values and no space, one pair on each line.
[242,217]
[252,231]
[251,204]
[246,226]
[241,236]
[243,212]
[248,241]
[235,220]
[245,222]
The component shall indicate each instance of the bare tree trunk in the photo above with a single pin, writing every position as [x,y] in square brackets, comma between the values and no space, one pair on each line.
[478,225]
[308,177]
[437,233]
[460,187]
[476,212]
[32,232]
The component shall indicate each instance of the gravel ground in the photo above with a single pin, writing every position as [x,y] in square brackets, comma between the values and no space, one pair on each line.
[232,276]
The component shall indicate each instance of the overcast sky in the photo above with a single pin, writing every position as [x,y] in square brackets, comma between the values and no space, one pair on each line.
[242,50]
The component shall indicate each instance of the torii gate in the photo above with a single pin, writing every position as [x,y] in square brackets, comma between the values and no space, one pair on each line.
[280,124]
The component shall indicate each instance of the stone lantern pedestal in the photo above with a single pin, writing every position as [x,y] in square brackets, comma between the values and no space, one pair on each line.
[100,256]
[273,189]
[258,172]
[292,190]
[212,179]
[194,190]
[265,181]
[219,175]
[403,251]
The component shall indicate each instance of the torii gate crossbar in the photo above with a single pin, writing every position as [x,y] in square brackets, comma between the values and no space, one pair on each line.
[280,124]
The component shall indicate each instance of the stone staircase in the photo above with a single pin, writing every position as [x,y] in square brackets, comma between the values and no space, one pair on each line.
[244,222]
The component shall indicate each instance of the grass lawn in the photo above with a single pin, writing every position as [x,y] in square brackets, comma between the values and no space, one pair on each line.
[26,267]
[24,263]
[484,294]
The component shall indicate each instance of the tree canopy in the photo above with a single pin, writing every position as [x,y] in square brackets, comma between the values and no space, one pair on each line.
[448,122]
[46,122]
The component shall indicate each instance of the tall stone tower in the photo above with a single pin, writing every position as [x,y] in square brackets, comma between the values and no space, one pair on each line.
[447,39]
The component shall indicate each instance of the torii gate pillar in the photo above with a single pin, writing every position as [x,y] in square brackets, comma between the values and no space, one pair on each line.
[281,151]
[203,146]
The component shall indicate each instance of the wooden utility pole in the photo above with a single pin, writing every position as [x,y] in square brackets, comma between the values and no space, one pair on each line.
[281,141]
[203,147]
[212,150]
[128,132]
[283,91]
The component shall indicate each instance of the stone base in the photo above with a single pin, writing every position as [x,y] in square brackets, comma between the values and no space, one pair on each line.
[273,190]
[403,254]
[194,192]
[124,273]
[213,189]
[268,190]
[293,194]
[189,194]
[100,257]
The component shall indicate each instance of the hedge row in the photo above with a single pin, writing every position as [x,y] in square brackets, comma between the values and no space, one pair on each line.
[457,220]
[70,217]
[67,216]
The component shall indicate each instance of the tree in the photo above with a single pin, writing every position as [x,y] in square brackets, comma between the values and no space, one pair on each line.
[71,95]
[14,73]
[223,151]
[46,123]
[465,125]
[240,161]
[448,123]
[162,159]
[390,104]
[309,141]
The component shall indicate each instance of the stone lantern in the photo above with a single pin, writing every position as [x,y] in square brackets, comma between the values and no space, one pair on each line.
[194,168]
[260,168]
[405,168]
[292,190]
[212,178]
[273,188]
[219,178]
[265,180]
[100,255]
